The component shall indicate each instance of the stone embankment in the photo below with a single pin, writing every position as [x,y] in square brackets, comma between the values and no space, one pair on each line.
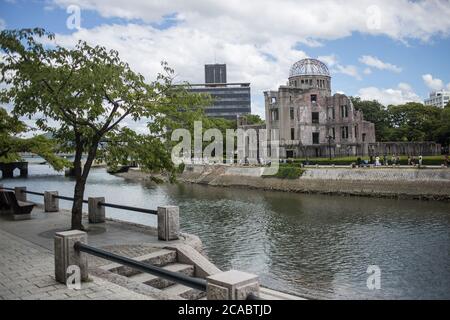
[430,184]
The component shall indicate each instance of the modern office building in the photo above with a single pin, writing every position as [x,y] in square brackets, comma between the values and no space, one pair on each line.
[308,121]
[438,99]
[230,100]
[215,73]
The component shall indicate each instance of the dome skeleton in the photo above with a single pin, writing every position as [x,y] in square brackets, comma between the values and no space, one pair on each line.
[309,67]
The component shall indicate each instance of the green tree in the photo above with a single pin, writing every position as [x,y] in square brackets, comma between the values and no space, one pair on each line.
[82,95]
[11,144]
[414,121]
[253,119]
[375,112]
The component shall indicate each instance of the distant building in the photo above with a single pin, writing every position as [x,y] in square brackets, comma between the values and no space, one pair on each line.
[230,100]
[215,73]
[310,122]
[438,99]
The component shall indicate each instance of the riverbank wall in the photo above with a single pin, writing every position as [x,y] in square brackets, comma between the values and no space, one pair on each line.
[404,183]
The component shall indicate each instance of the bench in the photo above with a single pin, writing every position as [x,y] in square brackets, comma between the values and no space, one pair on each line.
[19,209]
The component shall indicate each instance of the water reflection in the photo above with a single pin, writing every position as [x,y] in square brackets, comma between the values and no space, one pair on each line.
[314,245]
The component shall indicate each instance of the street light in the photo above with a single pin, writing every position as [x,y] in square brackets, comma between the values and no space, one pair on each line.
[329,144]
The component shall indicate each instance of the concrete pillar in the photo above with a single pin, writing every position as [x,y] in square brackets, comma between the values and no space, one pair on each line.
[66,255]
[168,223]
[51,203]
[231,285]
[96,212]
[20,195]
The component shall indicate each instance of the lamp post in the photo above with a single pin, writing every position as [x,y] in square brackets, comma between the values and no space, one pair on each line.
[329,144]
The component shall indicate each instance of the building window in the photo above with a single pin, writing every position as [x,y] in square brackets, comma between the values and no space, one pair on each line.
[291,113]
[273,99]
[292,134]
[356,131]
[344,132]
[332,133]
[315,117]
[363,137]
[315,137]
[344,111]
[314,98]
[331,113]
[275,115]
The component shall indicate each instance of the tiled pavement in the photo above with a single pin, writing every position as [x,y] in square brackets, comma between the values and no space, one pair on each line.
[27,273]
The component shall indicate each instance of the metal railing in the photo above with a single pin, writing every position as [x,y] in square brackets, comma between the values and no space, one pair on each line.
[104,204]
[191,282]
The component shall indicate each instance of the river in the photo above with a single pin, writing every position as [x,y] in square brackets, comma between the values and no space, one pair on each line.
[316,246]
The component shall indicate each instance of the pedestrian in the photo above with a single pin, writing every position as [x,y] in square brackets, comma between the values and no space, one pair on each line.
[420,160]
[377,162]
[398,161]
[393,160]
[413,161]
[446,161]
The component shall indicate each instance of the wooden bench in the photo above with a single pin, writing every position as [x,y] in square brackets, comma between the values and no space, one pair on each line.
[19,209]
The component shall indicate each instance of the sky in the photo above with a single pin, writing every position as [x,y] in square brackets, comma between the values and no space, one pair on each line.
[392,51]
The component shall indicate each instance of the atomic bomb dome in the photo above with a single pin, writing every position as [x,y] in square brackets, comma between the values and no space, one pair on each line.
[309,67]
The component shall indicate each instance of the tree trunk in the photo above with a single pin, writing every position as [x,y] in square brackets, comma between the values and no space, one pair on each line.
[80,184]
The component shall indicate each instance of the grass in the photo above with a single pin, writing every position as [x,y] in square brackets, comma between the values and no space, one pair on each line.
[287,172]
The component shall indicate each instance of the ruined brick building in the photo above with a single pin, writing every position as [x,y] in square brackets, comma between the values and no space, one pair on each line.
[310,121]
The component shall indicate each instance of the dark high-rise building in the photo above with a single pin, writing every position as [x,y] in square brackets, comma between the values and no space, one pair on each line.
[230,100]
[215,73]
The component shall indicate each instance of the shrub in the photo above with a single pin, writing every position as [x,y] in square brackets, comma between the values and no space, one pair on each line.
[286,172]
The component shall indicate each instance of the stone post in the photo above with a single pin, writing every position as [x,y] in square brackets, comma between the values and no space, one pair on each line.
[231,285]
[20,194]
[168,223]
[66,255]
[96,211]
[51,203]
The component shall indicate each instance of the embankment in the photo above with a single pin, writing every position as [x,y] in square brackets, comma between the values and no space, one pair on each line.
[430,184]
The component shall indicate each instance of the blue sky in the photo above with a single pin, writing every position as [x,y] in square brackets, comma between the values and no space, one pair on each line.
[401,58]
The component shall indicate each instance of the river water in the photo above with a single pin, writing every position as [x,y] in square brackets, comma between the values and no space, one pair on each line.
[316,246]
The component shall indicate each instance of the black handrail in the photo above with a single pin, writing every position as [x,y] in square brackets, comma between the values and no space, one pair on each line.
[195,283]
[67,198]
[119,206]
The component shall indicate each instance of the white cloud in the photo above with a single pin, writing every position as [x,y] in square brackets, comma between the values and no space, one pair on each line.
[378,64]
[367,71]
[302,20]
[2,24]
[187,50]
[434,83]
[401,94]
[330,60]
[349,70]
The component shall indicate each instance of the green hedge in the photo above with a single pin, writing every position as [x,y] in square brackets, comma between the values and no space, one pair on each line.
[287,172]
[427,160]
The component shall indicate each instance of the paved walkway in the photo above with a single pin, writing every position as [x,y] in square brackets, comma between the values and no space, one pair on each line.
[27,261]
[27,273]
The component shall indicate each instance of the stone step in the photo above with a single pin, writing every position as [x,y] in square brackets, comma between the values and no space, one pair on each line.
[157,258]
[161,283]
[184,292]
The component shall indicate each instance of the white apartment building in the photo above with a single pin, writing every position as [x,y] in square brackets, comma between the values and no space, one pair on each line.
[438,99]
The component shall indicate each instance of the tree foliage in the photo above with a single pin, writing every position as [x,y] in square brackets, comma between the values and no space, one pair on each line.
[11,144]
[86,94]
[407,122]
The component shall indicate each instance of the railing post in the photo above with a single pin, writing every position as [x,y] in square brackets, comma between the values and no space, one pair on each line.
[231,285]
[95,210]
[168,223]
[66,255]
[20,194]
[51,203]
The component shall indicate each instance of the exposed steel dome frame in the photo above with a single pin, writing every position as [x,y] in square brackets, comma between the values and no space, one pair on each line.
[309,67]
